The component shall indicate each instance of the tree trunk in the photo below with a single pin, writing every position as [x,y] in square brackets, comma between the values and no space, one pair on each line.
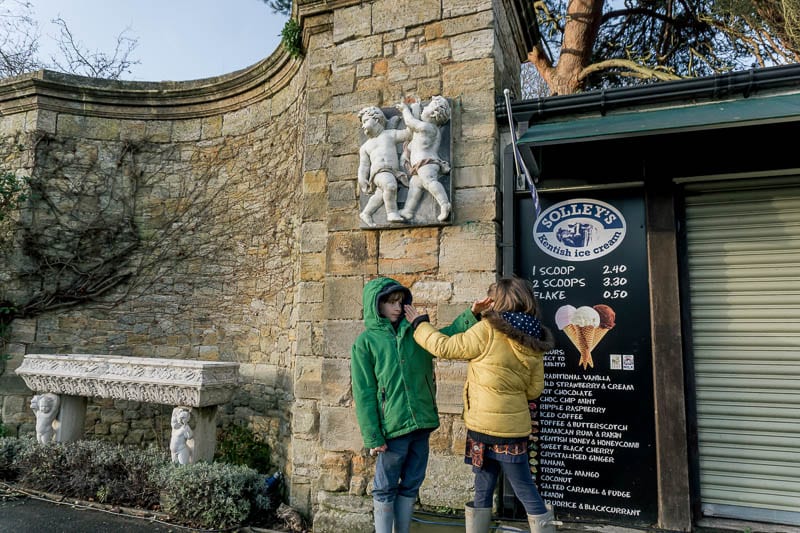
[580,33]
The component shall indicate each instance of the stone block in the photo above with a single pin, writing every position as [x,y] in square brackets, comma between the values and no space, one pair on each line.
[468,23]
[472,247]
[448,483]
[342,194]
[350,52]
[471,286]
[477,125]
[345,167]
[459,434]
[338,429]
[312,267]
[336,387]
[474,45]
[477,205]
[319,99]
[308,292]
[431,292]
[343,80]
[456,8]
[474,176]
[352,22]
[305,454]
[211,127]
[344,133]
[469,78]
[335,475]
[395,14]
[337,513]
[187,130]
[450,378]
[308,377]
[343,298]
[305,419]
[350,253]
[315,182]
[313,237]
[408,250]
[440,438]
[340,336]
[45,122]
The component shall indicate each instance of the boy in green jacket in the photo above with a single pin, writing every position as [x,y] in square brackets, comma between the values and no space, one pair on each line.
[395,399]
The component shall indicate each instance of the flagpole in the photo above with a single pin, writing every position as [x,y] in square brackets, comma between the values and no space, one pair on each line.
[507,95]
[519,164]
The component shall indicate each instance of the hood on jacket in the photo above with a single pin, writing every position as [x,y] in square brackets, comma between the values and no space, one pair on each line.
[373,291]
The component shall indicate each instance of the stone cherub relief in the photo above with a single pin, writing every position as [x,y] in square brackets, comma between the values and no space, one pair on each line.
[46,407]
[404,156]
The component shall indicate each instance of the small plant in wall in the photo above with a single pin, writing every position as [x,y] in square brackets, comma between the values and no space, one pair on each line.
[292,38]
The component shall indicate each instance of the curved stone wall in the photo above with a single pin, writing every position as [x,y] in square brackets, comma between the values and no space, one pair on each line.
[208,172]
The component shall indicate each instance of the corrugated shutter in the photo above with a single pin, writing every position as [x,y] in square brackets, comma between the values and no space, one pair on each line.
[744,277]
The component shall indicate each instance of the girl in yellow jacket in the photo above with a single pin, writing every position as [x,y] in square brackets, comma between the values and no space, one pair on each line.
[505,371]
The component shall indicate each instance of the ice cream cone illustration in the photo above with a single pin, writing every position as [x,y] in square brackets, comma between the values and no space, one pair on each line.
[583,339]
[607,321]
[585,327]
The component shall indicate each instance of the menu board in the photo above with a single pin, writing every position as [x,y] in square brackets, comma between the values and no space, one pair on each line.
[587,260]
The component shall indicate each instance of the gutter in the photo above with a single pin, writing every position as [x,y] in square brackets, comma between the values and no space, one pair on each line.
[722,86]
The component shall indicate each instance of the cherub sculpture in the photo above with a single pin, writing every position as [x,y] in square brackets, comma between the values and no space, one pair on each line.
[181,443]
[45,407]
[379,166]
[421,157]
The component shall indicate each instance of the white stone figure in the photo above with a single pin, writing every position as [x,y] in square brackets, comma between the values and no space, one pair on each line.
[422,161]
[45,406]
[181,443]
[379,165]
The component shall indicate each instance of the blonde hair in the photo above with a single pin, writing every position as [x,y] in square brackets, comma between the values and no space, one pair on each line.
[513,294]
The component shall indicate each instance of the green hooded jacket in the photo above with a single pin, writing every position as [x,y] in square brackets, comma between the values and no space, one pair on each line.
[392,376]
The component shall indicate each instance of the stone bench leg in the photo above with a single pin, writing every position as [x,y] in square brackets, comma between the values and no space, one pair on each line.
[205,433]
[71,418]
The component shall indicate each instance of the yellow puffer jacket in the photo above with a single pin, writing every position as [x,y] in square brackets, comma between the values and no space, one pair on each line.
[505,370]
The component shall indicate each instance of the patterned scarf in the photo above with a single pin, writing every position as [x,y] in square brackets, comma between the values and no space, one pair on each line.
[524,322]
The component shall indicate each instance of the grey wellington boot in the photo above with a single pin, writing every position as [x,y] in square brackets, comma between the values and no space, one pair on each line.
[384,516]
[542,523]
[403,510]
[477,519]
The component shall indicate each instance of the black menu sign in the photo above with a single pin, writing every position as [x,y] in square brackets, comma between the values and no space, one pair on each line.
[587,260]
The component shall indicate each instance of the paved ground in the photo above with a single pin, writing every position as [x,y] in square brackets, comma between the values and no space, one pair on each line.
[32,513]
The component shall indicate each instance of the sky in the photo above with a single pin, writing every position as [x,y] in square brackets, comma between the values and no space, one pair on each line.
[179,40]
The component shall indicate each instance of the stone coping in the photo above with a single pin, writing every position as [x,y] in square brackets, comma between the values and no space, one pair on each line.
[188,382]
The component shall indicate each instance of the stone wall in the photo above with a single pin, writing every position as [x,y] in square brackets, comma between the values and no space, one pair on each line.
[378,53]
[273,277]
[215,195]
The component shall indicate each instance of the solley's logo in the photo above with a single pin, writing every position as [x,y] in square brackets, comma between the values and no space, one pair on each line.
[579,230]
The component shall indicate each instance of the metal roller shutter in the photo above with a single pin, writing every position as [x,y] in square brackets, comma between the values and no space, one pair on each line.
[743,241]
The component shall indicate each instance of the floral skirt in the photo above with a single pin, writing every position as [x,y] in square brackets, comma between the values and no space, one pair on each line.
[513,452]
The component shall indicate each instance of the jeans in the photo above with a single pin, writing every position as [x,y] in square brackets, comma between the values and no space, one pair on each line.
[400,470]
[518,474]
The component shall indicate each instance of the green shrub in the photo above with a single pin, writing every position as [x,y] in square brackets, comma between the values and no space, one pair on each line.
[93,470]
[211,495]
[10,450]
[238,445]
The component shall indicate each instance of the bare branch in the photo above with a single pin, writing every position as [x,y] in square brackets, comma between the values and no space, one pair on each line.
[97,64]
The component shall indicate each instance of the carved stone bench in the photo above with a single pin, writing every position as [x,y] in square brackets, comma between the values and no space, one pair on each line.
[198,385]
